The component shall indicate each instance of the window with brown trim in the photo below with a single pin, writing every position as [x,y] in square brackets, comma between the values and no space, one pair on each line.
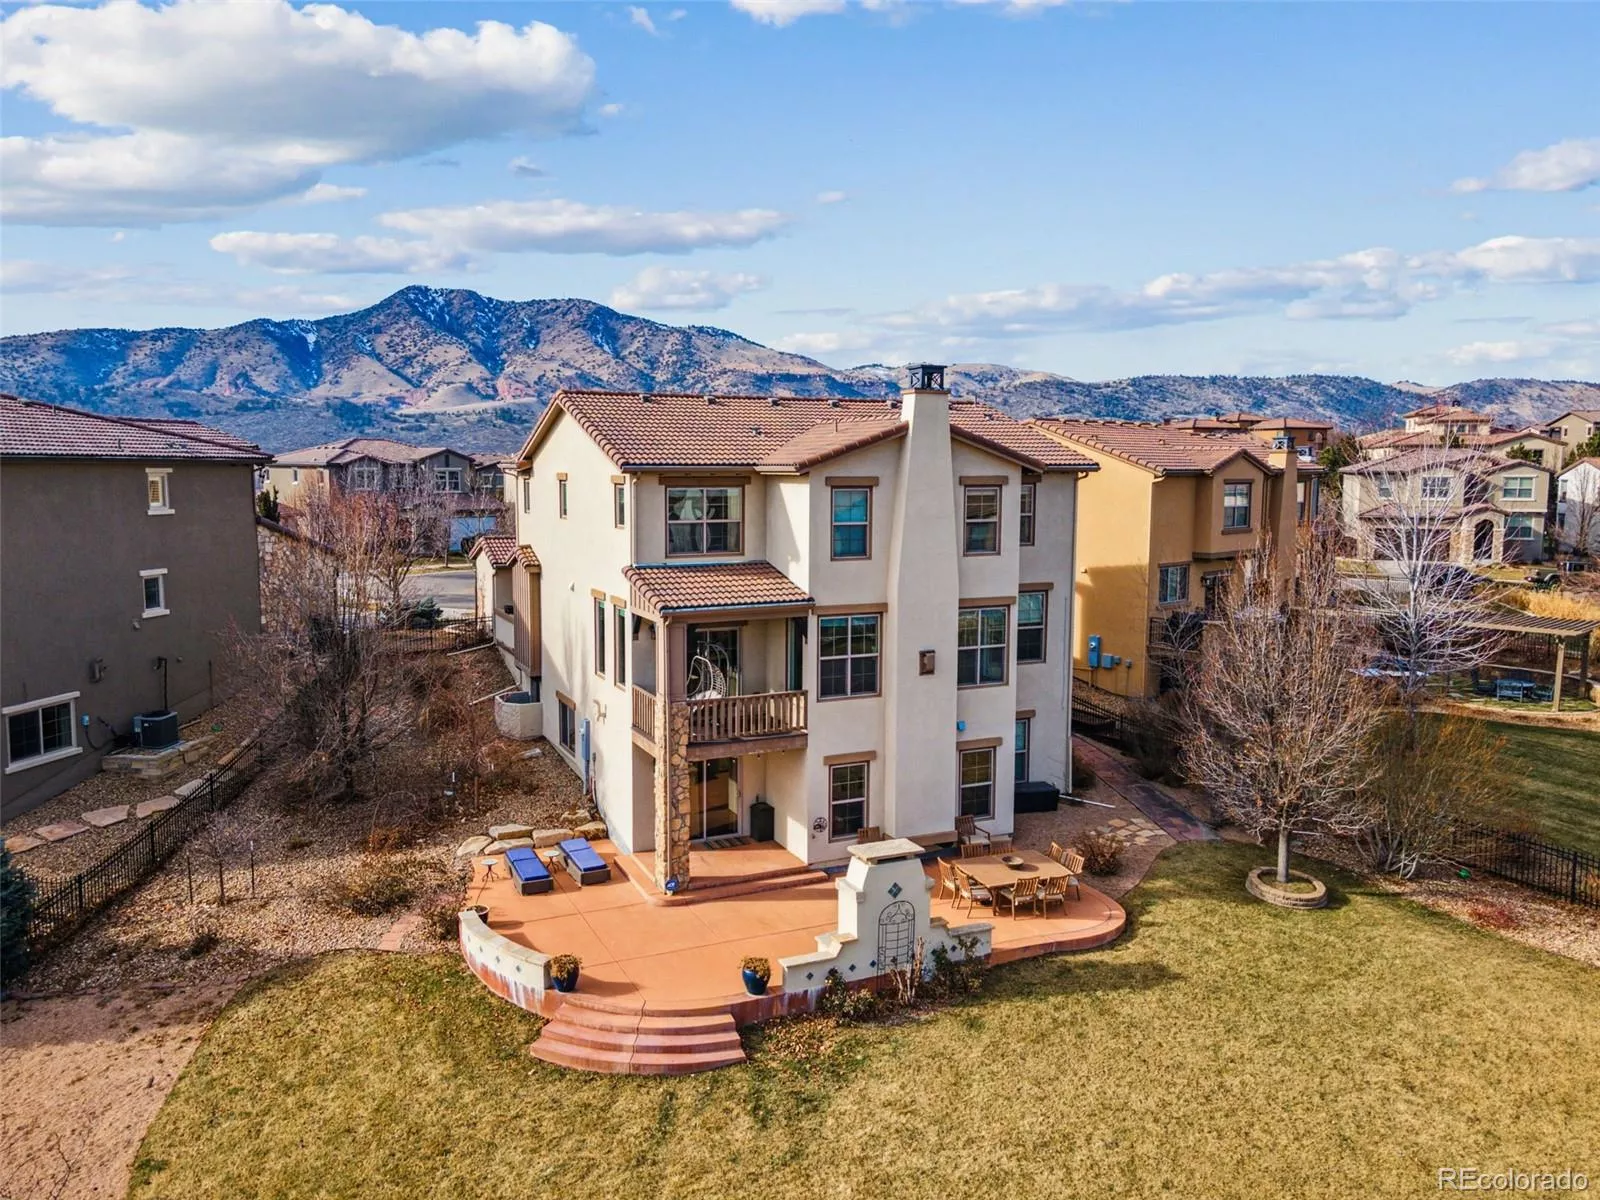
[567,724]
[1020,746]
[705,520]
[981,519]
[599,637]
[847,656]
[620,621]
[1236,505]
[851,533]
[561,498]
[981,647]
[1032,609]
[847,799]
[977,783]
[619,504]
[1027,499]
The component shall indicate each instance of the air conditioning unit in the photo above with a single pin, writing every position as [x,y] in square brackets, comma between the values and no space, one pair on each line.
[155,730]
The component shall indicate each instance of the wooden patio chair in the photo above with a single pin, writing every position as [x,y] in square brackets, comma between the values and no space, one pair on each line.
[1055,890]
[1058,853]
[971,890]
[1024,891]
[1073,862]
[974,850]
[869,833]
[948,880]
[1000,844]
[967,830]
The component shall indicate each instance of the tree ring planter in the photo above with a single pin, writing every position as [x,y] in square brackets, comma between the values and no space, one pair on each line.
[1262,883]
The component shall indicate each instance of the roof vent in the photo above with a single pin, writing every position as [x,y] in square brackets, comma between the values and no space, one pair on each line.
[926,377]
[711,400]
[755,431]
[644,398]
[774,401]
[833,403]
[1284,441]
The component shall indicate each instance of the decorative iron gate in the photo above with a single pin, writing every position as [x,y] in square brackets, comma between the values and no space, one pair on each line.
[897,935]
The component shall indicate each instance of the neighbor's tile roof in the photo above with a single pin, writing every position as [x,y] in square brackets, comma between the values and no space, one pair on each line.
[641,431]
[31,429]
[1291,423]
[1163,449]
[1476,462]
[352,448]
[693,586]
[1440,412]
[1390,510]
[500,548]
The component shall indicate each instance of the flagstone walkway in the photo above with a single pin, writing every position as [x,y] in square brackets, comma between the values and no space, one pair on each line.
[1148,797]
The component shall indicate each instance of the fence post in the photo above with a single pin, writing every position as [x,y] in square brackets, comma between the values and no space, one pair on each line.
[1572,886]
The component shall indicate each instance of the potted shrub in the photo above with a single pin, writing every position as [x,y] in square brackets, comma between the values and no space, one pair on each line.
[564,972]
[756,972]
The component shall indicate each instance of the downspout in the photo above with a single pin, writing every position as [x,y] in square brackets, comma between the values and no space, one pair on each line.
[1071,607]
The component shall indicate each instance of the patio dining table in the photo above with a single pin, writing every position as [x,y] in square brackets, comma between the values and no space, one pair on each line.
[991,873]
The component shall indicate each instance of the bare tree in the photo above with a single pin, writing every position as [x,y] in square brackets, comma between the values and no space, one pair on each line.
[325,658]
[1276,721]
[1409,518]
[1580,512]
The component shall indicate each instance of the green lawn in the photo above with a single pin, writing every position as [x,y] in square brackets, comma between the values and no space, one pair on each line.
[1555,774]
[1221,1049]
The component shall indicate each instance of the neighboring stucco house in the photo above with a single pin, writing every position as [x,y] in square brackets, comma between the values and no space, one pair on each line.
[1485,508]
[1311,434]
[1578,506]
[814,615]
[471,485]
[1572,429]
[129,550]
[1174,511]
[1444,426]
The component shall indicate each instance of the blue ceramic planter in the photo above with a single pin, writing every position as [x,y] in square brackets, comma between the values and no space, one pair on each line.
[753,983]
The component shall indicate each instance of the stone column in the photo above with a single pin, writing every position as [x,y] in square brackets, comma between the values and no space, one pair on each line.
[672,761]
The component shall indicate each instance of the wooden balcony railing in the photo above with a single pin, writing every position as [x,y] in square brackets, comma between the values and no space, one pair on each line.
[644,712]
[733,718]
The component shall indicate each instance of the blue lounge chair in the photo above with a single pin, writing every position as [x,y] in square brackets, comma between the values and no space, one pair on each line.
[531,875]
[583,864]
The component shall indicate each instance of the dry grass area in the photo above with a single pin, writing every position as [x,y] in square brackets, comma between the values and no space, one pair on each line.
[1035,831]
[1578,599]
[1223,1048]
[391,854]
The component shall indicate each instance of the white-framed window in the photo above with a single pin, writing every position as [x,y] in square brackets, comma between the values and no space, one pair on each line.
[847,799]
[977,783]
[1032,608]
[981,516]
[1172,586]
[852,522]
[567,724]
[294,475]
[981,649]
[155,592]
[1519,526]
[158,490]
[1436,487]
[366,477]
[847,663]
[447,479]
[705,520]
[619,504]
[41,731]
[620,624]
[1236,505]
[527,494]
[1028,498]
[1020,743]
[561,498]
[1386,487]
[1517,487]
[599,637]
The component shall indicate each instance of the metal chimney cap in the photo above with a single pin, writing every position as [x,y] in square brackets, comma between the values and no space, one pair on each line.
[926,377]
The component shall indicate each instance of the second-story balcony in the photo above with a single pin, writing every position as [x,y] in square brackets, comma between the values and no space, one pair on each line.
[1178,632]
[726,726]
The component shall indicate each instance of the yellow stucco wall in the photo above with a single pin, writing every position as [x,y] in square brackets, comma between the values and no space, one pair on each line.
[1115,586]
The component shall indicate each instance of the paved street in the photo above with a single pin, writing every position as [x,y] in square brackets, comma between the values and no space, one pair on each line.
[451,589]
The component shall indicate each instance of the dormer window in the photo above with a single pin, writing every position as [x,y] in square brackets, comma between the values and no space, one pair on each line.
[158,490]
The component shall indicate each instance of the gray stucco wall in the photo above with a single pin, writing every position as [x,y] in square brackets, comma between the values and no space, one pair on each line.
[74,537]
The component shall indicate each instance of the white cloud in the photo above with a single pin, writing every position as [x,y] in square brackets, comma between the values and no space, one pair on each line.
[832,197]
[610,110]
[330,254]
[526,168]
[330,193]
[641,17]
[569,227]
[1379,283]
[1478,353]
[658,288]
[126,286]
[1567,166]
[816,345]
[785,12]
[212,107]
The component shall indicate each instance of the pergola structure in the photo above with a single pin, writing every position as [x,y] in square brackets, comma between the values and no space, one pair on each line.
[1543,637]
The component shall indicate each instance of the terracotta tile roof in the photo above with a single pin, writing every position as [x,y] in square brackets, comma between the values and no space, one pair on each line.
[1442,412]
[30,429]
[1476,462]
[1200,424]
[642,431]
[1162,448]
[691,586]
[1389,508]
[1291,423]
[500,548]
[352,448]
[527,557]
[1584,462]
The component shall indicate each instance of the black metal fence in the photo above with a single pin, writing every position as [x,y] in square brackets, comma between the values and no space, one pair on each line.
[66,904]
[1557,870]
[445,636]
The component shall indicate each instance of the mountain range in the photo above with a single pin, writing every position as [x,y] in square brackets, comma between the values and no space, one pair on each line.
[453,366]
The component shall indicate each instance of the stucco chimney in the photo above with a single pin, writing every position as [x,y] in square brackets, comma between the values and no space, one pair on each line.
[924,593]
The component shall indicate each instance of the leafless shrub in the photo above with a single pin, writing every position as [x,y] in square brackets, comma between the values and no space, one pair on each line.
[375,886]
[1102,851]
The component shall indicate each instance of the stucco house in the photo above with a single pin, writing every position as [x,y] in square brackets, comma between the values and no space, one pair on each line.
[470,486]
[1578,506]
[127,550]
[1443,426]
[1176,508]
[796,618]
[1486,508]
[1573,428]
[1311,434]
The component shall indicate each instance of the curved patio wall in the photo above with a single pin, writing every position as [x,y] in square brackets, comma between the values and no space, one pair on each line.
[510,971]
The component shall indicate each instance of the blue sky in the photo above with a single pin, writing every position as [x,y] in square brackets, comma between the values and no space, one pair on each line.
[1097,190]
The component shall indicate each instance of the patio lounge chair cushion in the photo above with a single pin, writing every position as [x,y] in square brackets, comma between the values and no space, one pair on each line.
[532,876]
[583,863]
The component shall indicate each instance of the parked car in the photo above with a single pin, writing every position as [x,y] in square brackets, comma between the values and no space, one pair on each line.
[1543,581]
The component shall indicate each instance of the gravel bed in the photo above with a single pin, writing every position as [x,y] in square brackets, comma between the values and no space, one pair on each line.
[1035,831]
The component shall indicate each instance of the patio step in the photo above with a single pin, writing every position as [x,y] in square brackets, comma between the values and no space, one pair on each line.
[769,881]
[583,1038]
